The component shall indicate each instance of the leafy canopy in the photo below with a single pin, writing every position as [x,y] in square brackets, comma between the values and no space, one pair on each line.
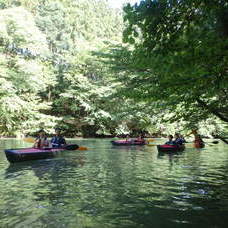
[181,48]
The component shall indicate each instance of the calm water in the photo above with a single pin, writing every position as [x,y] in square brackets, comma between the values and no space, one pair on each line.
[110,186]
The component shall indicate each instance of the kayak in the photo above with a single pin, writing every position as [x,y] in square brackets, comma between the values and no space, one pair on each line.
[27,154]
[128,143]
[170,148]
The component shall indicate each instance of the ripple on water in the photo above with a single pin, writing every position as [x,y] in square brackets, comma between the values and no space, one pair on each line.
[116,187]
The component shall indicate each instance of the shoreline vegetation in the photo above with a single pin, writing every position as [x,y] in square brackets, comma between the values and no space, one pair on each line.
[111,136]
[96,71]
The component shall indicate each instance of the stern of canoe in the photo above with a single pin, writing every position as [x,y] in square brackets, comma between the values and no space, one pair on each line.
[12,156]
[170,148]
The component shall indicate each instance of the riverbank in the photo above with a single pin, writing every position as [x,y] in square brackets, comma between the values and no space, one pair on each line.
[225,140]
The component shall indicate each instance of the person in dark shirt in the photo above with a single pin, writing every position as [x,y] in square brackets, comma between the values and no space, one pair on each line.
[170,142]
[178,140]
[58,140]
[183,139]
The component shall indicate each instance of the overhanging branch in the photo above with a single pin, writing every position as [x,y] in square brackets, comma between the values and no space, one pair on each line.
[211,110]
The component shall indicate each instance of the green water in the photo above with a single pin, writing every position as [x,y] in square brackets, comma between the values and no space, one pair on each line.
[110,186]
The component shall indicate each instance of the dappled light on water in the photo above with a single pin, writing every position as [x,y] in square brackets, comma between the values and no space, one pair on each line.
[108,186]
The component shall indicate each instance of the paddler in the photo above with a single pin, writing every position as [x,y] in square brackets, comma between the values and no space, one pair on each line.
[41,141]
[58,140]
[170,140]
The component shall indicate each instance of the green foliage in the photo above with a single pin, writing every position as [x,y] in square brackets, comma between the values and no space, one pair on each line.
[52,59]
[63,62]
[22,78]
[181,49]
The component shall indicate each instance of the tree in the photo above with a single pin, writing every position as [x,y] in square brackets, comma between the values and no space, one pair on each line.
[73,34]
[50,47]
[23,74]
[181,49]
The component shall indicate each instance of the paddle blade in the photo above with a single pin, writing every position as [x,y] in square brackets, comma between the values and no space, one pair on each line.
[71,147]
[29,140]
[150,140]
[75,147]
[189,145]
[82,148]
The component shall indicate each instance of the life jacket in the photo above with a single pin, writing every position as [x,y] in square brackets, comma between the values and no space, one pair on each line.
[178,141]
[40,140]
[57,141]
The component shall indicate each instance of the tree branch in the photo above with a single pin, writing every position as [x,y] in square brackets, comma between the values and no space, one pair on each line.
[211,110]
[220,137]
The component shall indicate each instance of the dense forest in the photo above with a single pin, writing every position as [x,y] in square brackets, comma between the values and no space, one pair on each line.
[156,67]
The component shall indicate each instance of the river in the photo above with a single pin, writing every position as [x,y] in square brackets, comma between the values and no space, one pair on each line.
[115,187]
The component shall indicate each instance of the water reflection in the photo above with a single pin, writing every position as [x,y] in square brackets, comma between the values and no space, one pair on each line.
[117,187]
[43,167]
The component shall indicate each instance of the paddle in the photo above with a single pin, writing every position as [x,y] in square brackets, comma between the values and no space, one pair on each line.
[214,142]
[151,145]
[71,147]
[150,140]
[192,144]
[194,132]
[29,140]
[209,143]
[67,147]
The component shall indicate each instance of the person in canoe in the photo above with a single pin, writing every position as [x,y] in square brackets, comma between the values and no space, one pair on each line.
[128,139]
[58,140]
[183,139]
[140,139]
[41,140]
[170,140]
[178,140]
[198,141]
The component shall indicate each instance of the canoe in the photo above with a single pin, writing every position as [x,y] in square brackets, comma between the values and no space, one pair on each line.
[27,154]
[170,148]
[128,143]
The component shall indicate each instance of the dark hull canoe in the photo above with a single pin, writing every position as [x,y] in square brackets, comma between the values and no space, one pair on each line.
[127,143]
[170,148]
[27,154]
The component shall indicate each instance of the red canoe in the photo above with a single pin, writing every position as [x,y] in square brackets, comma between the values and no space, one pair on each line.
[170,148]
[27,154]
[128,143]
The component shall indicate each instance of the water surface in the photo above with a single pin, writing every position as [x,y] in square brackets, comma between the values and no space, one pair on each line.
[109,186]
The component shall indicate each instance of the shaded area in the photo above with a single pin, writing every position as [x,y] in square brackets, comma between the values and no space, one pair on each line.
[110,186]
